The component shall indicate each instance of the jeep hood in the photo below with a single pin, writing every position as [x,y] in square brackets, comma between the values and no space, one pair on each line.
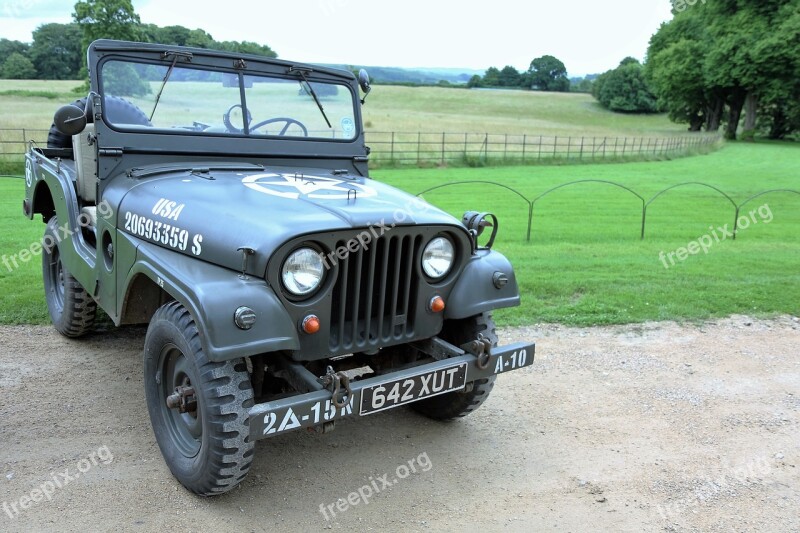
[211,214]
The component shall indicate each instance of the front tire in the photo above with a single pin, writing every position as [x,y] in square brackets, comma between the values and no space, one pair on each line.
[72,309]
[207,447]
[461,403]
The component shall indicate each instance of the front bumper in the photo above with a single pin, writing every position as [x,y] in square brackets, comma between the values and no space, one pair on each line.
[317,408]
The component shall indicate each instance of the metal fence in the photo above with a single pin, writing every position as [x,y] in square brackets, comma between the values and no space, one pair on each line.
[14,142]
[427,149]
[530,202]
[396,148]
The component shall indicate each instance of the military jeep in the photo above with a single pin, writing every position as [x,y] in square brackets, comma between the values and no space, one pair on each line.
[225,200]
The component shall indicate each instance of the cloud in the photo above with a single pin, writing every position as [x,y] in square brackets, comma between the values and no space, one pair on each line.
[34,9]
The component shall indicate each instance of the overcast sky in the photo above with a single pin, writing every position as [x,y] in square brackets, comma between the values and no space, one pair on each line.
[587,35]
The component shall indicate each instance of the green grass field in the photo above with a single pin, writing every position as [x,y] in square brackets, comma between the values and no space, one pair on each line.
[391,108]
[434,109]
[585,264]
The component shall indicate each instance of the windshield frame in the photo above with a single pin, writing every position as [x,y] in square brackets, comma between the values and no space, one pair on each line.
[243,88]
[189,142]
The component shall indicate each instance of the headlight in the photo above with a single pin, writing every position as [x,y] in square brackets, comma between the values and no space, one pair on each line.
[302,271]
[437,258]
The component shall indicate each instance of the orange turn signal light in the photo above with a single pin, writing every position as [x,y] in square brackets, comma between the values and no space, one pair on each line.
[311,324]
[437,304]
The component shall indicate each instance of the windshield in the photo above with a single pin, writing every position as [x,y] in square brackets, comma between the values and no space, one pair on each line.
[173,97]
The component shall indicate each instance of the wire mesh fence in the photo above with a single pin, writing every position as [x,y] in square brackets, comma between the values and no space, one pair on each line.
[427,149]
[399,148]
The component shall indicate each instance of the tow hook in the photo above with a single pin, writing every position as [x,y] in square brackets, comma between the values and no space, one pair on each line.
[338,382]
[480,348]
[183,399]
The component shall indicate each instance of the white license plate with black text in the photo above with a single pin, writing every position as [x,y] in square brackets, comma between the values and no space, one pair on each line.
[412,388]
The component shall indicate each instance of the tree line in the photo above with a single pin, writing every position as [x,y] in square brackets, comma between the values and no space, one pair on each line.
[546,73]
[716,62]
[58,51]
[716,65]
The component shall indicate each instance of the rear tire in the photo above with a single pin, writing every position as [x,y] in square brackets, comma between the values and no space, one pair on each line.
[71,308]
[461,403]
[207,448]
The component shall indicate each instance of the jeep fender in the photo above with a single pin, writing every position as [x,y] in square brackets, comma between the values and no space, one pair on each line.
[49,192]
[475,291]
[212,295]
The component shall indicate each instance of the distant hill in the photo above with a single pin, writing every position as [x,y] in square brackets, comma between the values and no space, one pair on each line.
[422,75]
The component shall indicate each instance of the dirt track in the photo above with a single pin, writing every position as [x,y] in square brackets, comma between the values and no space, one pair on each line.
[647,427]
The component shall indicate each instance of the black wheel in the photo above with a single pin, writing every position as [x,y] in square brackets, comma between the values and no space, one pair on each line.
[457,404]
[118,110]
[198,408]
[72,309]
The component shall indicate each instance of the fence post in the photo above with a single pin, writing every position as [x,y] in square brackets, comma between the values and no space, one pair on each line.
[555,146]
[616,144]
[604,147]
[419,142]
[391,157]
[524,140]
[624,146]
[541,140]
[580,158]
[465,147]
[443,134]
[505,149]
[569,146]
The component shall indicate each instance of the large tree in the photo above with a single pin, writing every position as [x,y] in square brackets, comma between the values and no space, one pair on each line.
[491,78]
[181,36]
[624,89]
[548,73]
[17,67]
[510,77]
[107,19]
[723,59]
[8,47]
[56,51]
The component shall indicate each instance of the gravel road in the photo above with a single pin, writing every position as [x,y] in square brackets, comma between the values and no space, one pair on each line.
[650,427]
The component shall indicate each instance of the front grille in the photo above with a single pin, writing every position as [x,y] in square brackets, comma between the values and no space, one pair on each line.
[374,296]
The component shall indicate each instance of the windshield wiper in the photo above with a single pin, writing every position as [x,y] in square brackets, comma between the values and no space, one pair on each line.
[303,73]
[187,56]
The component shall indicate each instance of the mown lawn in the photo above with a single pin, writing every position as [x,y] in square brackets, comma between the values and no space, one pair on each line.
[585,263]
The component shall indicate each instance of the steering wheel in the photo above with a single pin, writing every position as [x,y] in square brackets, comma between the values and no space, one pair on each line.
[287,120]
[226,119]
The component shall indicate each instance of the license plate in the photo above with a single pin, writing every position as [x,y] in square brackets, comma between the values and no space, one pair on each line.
[412,388]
